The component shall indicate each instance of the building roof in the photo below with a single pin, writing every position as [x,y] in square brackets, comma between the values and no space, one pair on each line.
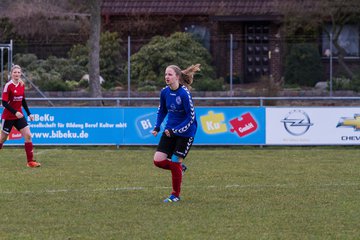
[186,7]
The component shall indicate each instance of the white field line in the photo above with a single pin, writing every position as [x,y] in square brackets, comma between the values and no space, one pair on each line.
[230,186]
[42,151]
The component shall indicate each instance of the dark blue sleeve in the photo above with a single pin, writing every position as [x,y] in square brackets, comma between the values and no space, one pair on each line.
[190,114]
[162,110]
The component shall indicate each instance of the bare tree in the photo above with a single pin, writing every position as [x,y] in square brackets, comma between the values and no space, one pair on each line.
[307,14]
[94,43]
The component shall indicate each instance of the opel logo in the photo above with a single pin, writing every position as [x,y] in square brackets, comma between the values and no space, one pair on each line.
[297,122]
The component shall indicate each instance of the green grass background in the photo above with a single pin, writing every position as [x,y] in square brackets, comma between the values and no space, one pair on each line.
[228,193]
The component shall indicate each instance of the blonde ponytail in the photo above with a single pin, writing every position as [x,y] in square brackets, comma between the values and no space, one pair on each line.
[187,75]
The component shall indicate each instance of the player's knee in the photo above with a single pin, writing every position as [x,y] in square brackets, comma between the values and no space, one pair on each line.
[156,163]
[27,137]
[3,138]
[159,156]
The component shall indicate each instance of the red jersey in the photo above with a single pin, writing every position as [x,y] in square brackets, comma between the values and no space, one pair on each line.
[13,94]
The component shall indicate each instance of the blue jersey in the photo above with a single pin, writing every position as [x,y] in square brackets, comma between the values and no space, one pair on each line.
[179,107]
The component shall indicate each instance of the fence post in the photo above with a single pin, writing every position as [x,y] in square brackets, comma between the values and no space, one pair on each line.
[10,57]
[129,65]
[129,70]
[9,47]
[331,65]
[2,68]
[231,65]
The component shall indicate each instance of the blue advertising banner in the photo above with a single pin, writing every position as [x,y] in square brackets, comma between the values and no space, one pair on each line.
[133,126]
[141,122]
[75,126]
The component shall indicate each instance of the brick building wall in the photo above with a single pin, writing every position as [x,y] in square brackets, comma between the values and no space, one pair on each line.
[222,46]
[276,52]
[221,50]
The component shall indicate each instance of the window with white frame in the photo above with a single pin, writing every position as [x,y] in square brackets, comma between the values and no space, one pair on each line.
[348,39]
[200,32]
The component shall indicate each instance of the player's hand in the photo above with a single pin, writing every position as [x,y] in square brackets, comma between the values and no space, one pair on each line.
[169,132]
[19,115]
[155,131]
[31,117]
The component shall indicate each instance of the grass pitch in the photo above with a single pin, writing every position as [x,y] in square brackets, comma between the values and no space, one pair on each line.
[236,193]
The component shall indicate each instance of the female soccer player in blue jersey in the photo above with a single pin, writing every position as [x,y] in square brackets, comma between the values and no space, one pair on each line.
[176,102]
